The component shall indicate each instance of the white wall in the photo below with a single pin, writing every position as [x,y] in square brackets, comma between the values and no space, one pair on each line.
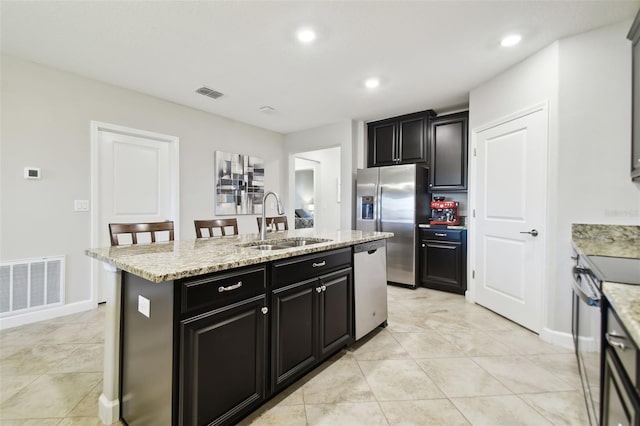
[343,135]
[45,123]
[586,80]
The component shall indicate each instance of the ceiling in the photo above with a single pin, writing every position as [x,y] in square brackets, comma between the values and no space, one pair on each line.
[427,54]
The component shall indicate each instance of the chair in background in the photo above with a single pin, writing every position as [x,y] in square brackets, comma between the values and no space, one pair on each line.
[134,229]
[276,221]
[220,224]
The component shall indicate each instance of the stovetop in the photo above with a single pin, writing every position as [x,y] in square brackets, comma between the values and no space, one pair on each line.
[615,269]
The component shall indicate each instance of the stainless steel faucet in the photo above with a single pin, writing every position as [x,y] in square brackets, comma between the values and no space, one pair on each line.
[263,228]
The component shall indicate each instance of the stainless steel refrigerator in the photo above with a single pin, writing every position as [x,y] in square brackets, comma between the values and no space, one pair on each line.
[395,199]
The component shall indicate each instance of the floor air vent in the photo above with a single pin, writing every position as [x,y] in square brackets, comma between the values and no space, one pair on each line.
[31,284]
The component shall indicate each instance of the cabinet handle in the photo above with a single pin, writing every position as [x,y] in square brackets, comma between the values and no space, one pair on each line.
[317,265]
[610,341]
[438,234]
[319,289]
[265,310]
[222,289]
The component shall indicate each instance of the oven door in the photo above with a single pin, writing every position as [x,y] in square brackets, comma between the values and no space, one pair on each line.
[586,325]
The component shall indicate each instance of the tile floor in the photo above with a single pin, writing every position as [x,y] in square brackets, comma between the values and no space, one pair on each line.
[441,361]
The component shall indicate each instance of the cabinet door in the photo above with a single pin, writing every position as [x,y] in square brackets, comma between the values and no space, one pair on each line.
[382,143]
[635,125]
[336,312]
[223,363]
[294,332]
[441,266]
[412,140]
[448,153]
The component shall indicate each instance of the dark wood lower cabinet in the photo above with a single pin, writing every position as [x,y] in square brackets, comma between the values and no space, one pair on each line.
[443,260]
[310,320]
[223,370]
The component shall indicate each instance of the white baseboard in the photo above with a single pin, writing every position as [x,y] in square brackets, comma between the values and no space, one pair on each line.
[558,338]
[46,314]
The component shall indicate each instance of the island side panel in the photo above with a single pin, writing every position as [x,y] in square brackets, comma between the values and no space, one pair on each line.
[147,351]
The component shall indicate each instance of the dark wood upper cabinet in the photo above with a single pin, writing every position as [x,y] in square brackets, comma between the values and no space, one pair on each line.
[448,144]
[634,36]
[399,140]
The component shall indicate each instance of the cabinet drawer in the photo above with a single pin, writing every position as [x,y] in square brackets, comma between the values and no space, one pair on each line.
[305,267]
[222,288]
[442,234]
[620,341]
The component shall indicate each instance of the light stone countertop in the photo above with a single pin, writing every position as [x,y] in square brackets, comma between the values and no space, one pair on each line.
[625,300]
[607,240]
[166,261]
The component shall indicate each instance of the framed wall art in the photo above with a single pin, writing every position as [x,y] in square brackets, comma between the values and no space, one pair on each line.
[239,184]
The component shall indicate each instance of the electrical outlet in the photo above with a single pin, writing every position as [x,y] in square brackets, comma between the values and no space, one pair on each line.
[144,306]
[81,205]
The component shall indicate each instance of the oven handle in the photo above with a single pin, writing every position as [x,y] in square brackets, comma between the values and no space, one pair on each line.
[589,299]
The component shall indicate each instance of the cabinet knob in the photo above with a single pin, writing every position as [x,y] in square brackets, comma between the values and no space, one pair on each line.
[424,245]
[324,288]
[265,310]
[319,289]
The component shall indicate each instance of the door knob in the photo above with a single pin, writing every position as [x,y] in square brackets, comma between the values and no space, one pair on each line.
[533,232]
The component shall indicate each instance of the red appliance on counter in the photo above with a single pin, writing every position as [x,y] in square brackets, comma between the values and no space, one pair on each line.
[444,212]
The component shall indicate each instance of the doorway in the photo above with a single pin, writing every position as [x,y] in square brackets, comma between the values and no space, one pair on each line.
[305,192]
[134,178]
[325,199]
[510,215]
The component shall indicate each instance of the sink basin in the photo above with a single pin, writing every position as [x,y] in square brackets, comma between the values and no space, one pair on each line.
[283,244]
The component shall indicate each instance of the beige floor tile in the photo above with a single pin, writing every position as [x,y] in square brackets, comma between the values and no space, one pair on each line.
[524,342]
[381,345]
[342,381]
[399,380]
[426,345]
[86,358]
[88,406]
[520,375]
[290,396]
[459,377]
[7,350]
[75,333]
[351,414]
[11,385]
[506,410]
[421,413]
[80,421]
[35,360]
[32,422]
[564,366]
[405,322]
[26,335]
[278,415]
[50,395]
[476,343]
[561,408]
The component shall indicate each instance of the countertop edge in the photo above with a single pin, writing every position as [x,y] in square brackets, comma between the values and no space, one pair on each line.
[223,266]
[625,301]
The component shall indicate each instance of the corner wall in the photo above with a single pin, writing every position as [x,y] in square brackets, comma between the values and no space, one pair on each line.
[46,115]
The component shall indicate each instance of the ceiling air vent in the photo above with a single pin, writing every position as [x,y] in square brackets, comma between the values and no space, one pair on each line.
[209,92]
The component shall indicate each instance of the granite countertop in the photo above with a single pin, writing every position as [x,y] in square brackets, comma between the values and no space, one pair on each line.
[614,241]
[427,225]
[607,240]
[625,300]
[165,261]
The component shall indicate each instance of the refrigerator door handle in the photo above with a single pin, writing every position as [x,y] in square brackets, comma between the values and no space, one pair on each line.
[379,207]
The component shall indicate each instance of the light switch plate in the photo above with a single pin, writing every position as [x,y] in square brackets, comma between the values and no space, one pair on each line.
[81,205]
[144,305]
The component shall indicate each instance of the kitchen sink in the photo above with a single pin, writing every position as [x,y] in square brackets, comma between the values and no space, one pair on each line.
[283,243]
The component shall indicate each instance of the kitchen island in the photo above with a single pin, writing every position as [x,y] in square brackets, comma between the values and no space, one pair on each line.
[206,330]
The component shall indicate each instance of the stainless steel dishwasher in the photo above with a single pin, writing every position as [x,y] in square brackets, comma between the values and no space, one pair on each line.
[370,286]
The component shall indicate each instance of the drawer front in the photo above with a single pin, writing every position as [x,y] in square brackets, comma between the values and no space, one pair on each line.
[222,289]
[305,267]
[442,234]
[620,341]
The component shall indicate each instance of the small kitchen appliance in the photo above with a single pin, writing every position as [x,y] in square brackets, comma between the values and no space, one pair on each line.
[444,212]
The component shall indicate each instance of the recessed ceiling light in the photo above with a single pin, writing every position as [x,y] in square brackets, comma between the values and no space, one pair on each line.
[511,40]
[372,83]
[306,35]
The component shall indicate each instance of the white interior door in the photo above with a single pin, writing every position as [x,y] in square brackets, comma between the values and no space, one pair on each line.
[511,167]
[136,182]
